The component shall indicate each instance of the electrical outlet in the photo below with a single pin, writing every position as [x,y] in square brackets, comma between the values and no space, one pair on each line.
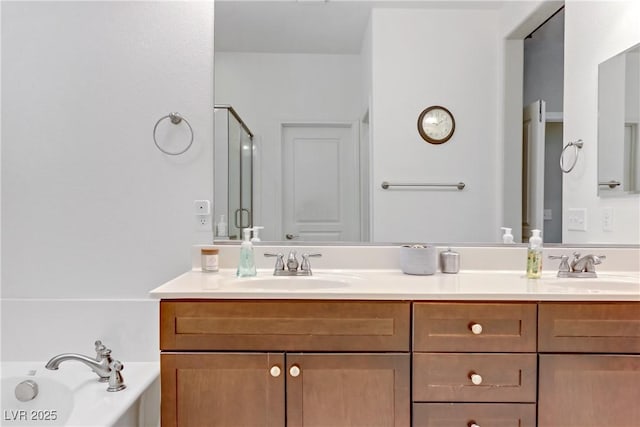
[202,207]
[577,219]
[607,219]
[203,223]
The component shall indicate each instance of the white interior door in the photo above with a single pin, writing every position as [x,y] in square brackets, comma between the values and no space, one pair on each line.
[320,182]
[533,135]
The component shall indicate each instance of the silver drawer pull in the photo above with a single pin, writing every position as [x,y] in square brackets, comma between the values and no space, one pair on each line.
[476,328]
[476,379]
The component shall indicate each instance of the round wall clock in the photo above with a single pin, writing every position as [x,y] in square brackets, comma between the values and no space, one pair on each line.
[436,124]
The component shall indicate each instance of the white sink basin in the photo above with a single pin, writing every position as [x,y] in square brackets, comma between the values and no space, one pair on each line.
[292,283]
[603,283]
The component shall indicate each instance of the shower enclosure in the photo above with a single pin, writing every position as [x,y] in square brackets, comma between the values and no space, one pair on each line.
[233,177]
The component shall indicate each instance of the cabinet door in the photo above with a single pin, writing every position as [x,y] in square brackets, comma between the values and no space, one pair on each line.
[589,390]
[222,390]
[348,390]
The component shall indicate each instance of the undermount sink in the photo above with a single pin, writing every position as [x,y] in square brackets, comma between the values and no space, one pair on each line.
[292,283]
[603,283]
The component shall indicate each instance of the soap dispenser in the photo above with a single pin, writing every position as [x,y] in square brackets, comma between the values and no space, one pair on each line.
[507,237]
[534,255]
[246,265]
[221,228]
[256,229]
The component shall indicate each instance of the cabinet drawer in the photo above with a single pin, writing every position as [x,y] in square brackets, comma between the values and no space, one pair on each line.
[449,377]
[467,414]
[485,327]
[284,325]
[589,327]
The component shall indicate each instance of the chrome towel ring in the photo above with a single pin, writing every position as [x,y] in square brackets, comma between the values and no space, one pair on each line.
[577,145]
[176,119]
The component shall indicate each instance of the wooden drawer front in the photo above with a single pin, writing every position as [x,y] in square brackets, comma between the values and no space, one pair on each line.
[282,326]
[448,327]
[447,377]
[589,327]
[467,414]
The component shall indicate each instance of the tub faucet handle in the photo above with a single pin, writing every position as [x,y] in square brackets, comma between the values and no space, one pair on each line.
[102,352]
[116,381]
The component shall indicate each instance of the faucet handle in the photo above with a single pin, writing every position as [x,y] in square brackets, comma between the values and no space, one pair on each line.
[279,261]
[102,351]
[116,382]
[306,266]
[564,262]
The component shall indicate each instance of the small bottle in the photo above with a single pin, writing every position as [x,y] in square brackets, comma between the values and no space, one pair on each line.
[221,227]
[507,237]
[534,255]
[256,229]
[209,260]
[247,265]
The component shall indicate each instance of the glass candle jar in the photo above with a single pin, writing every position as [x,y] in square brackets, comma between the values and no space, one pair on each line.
[209,259]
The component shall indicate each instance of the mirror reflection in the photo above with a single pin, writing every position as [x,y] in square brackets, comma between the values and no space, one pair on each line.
[332,92]
[618,124]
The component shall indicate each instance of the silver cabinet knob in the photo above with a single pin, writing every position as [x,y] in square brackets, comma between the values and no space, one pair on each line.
[476,328]
[26,391]
[476,379]
[290,236]
[294,371]
[275,371]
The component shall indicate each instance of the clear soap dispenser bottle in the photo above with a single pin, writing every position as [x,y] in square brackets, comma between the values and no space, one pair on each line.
[534,255]
[507,237]
[247,265]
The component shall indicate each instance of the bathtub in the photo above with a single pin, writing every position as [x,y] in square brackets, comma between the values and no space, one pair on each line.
[72,396]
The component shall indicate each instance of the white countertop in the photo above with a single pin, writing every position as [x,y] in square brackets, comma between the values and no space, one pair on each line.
[487,285]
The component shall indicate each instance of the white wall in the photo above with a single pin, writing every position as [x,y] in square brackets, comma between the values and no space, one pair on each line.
[595,31]
[449,58]
[90,208]
[269,89]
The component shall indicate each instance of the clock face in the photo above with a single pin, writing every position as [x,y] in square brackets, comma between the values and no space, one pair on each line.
[436,125]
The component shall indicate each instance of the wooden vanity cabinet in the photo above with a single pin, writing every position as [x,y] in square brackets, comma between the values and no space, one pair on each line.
[589,368]
[285,363]
[474,364]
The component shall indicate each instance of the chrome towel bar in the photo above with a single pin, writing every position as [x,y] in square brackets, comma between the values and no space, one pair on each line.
[459,185]
[610,184]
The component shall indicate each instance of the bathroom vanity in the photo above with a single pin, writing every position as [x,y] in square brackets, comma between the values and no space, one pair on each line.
[387,349]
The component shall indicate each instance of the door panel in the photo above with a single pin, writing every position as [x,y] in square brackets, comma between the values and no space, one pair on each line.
[341,390]
[222,390]
[589,391]
[320,182]
[533,136]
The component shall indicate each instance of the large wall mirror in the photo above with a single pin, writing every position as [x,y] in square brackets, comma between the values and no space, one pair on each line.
[619,124]
[332,92]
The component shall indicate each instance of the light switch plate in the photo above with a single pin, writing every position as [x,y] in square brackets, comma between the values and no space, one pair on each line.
[577,219]
[607,219]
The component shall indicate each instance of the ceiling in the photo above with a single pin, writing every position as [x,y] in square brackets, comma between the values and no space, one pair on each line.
[307,26]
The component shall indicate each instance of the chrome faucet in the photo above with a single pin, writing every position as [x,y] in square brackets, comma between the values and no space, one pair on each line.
[107,369]
[292,264]
[580,267]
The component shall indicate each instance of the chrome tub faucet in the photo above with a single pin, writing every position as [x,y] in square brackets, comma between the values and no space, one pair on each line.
[579,267]
[107,369]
